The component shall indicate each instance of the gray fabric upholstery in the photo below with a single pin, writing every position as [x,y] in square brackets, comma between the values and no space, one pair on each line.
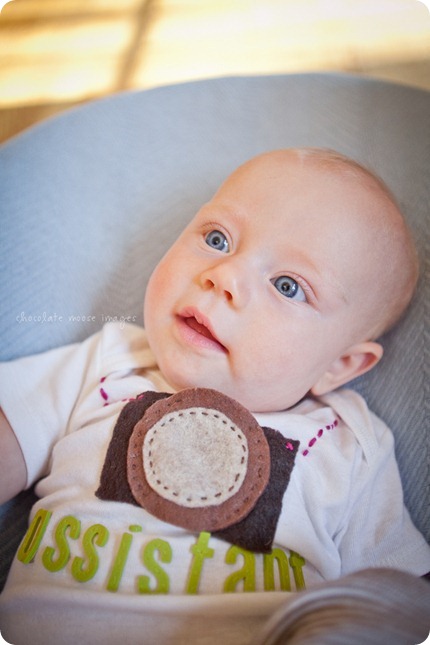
[91,199]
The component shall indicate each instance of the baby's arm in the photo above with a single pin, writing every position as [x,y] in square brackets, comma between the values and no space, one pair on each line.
[13,472]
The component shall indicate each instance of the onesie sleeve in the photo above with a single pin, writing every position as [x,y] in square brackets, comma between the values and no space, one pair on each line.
[38,394]
[378,530]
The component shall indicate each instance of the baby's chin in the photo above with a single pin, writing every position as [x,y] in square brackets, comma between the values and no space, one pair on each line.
[253,400]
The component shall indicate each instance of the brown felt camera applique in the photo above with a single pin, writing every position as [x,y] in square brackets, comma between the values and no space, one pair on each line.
[200,460]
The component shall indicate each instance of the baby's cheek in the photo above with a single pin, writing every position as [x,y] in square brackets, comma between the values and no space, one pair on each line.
[154,299]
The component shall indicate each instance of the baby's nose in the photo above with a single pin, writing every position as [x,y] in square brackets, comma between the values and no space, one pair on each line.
[229,280]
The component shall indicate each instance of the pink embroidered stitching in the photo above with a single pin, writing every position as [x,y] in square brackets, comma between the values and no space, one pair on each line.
[105,395]
[319,434]
[103,392]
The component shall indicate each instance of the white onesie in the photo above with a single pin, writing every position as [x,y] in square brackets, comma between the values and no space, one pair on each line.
[107,571]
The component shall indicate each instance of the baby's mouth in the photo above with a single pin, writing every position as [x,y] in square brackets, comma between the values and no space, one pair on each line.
[199,324]
[198,327]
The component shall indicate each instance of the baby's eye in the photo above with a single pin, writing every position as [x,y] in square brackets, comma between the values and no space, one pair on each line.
[289,288]
[218,241]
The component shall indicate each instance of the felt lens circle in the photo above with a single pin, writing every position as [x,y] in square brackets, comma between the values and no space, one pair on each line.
[198,459]
[195,457]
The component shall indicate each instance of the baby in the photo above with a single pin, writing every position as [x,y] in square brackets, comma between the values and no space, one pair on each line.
[212,453]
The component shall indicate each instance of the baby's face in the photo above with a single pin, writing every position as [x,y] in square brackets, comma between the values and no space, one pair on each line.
[261,292]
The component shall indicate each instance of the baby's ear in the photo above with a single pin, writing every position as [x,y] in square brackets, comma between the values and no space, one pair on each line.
[357,360]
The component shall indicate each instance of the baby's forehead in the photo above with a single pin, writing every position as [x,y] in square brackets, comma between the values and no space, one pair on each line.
[310,161]
[331,193]
[310,183]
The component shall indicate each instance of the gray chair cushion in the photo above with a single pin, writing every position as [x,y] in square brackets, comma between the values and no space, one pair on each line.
[91,199]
